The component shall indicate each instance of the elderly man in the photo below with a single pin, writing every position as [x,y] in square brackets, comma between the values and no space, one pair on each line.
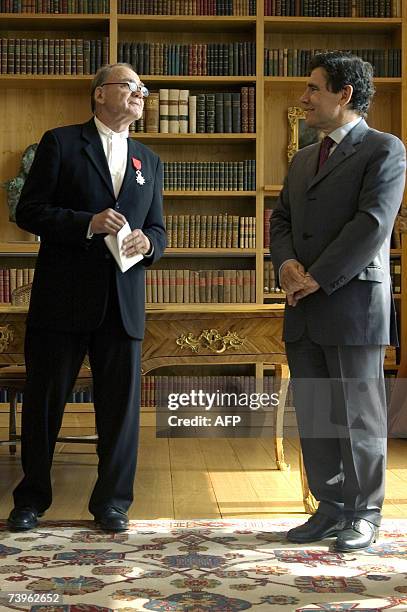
[86,182]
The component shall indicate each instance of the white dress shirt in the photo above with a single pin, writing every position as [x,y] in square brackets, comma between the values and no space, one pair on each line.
[115,148]
[339,134]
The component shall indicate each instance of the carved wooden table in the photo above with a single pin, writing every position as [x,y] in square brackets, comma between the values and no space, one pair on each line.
[223,334]
[196,335]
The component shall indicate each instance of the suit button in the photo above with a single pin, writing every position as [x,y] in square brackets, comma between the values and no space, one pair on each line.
[107,256]
[306,236]
[117,206]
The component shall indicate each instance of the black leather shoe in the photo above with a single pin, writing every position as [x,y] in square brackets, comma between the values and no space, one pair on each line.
[23,519]
[112,520]
[318,527]
[357,534]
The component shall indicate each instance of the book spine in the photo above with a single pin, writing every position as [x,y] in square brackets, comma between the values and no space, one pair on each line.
[228,112]
[164,105]
[252,110]
[192,114]
[201,113]
[210,113]
[219,112]
[183,111]
[173,106]
[152,111]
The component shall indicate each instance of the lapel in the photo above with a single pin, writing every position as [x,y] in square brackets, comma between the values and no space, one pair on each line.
[95,152]
[311,163]
[345,149]
[130,175]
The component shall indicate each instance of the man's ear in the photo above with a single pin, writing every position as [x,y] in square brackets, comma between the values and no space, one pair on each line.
[99,95]
[347,93]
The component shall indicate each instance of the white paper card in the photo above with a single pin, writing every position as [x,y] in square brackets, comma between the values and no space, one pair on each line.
[114,244]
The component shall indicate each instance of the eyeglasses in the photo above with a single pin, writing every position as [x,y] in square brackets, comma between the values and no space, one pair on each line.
[133,86]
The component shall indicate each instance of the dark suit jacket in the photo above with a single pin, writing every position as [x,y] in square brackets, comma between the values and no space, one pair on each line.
[338,222]
[68,183]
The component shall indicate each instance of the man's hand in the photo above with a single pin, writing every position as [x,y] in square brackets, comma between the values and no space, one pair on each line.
[292,276]
[311,286]
[136,243]
[107,222]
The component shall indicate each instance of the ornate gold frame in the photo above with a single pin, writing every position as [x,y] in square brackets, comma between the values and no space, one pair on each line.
[294,115]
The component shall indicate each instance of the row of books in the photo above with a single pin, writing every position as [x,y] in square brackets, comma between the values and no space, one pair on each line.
[52,56]
[67,7]
[187,7]
[294,62]
[79,397]
[395,273]
[175,111]
[155,390]
[13,278]
[200,287]
[210,176]
[270,283]
[210,231]
[333,8]
[207,59]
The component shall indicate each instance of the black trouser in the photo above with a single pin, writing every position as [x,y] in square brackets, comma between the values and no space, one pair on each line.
[53,360]
[339,398]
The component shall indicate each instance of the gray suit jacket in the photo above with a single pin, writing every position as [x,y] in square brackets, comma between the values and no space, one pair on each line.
[338,222]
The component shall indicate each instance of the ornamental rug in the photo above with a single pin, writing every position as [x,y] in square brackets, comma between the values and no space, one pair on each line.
[197,566]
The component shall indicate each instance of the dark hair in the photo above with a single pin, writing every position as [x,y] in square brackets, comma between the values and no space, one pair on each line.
[100,77]
[343,68]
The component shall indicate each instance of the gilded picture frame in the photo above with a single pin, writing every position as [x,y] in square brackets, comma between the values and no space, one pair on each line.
[299,134]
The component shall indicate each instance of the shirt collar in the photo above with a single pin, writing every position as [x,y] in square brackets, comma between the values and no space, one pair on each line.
[339,134]
[101,127]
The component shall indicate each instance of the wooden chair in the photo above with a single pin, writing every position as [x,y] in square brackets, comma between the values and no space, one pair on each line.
[13,379]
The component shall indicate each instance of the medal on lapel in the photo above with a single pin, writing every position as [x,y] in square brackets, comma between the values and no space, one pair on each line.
[137,165]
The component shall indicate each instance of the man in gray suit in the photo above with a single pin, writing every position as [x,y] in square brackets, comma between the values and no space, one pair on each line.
[330,243]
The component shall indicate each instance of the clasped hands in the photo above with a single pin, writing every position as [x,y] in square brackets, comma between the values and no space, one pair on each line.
[296,282]
[110,221]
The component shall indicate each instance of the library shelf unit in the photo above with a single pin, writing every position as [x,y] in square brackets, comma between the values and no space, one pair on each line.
[31,104]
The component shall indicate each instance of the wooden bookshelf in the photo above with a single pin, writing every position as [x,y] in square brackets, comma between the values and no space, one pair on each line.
[219,252]
[209,194]
[185,23]
[55,22]
[19,248]
[32,104]
[192,138]
[336,25]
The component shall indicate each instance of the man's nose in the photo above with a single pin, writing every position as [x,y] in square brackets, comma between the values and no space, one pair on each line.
[304,98]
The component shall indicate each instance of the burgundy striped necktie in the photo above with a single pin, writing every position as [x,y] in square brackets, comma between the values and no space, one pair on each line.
[326,145]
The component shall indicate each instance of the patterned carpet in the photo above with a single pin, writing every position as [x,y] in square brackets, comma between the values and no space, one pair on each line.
[198,566]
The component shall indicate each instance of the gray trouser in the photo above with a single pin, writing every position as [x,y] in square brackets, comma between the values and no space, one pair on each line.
[339,397]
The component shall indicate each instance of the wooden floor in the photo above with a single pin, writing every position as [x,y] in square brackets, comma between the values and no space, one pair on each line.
[189,478]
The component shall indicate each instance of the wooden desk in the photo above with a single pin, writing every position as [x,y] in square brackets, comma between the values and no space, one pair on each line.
[194,334]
